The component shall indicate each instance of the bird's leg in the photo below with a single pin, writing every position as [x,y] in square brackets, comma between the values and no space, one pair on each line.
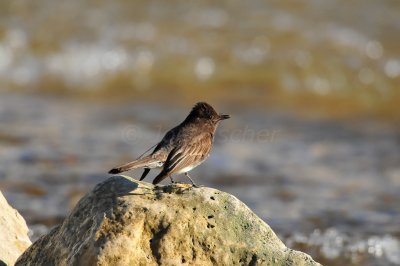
[172,181]
[193,183]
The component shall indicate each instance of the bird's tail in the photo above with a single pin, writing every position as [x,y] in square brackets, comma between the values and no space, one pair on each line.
[159,178]
[132,165]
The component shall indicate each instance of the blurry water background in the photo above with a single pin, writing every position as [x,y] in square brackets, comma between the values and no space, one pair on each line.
[313,88]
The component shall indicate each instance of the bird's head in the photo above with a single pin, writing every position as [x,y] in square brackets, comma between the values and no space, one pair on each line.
[204,111]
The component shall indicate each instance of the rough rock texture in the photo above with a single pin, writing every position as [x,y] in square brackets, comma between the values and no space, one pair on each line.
[127,222]
[13,233]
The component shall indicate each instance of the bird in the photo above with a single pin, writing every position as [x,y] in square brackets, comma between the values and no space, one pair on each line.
[183,148]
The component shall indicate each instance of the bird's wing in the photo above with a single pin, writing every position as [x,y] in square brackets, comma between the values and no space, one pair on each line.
[168,138]
[186,154]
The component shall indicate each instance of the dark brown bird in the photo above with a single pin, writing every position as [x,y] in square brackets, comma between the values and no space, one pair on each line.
[183,148]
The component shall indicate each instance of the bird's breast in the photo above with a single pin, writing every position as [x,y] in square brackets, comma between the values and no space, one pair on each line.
[190,167]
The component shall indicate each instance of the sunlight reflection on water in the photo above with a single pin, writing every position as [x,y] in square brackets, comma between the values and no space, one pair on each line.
[324,48]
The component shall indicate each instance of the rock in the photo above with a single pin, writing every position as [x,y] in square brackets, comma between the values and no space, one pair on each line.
[127,222]
[13,233]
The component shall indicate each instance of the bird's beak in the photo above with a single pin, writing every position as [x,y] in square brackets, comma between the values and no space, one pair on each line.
[223,117]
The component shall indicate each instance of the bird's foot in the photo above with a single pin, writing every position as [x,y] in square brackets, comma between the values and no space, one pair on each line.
[191,180]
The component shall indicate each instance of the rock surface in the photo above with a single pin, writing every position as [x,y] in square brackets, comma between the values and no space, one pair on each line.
[127,222]
[13,233]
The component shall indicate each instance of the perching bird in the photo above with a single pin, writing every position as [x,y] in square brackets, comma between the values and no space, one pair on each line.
[183,148]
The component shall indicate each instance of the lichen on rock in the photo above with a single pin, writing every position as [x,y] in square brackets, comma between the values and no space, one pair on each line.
[128,222]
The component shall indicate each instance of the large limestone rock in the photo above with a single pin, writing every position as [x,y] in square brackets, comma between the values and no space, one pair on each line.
[127,222]
[13,233]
